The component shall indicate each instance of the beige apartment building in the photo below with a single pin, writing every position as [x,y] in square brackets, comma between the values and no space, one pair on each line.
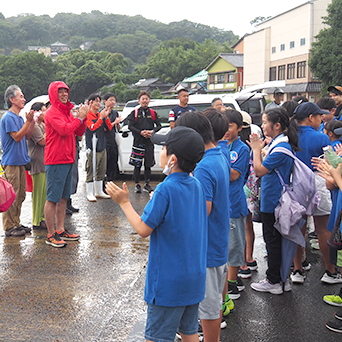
[280,50]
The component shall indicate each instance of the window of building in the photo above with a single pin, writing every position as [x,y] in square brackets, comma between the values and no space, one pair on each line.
[274,49]
[301,69]
[273,74]
[292,45]
[291,68]
[221,78]
[282,47]
[281,72]
[212,79]
[302,41]
[232,77]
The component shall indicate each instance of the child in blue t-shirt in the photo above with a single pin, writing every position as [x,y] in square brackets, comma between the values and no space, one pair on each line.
[311,143]
[212,172]
[176,220]
[275,125]
[328,104]
[239,156]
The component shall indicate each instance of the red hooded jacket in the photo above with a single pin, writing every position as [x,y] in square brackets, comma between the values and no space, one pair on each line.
[61,128]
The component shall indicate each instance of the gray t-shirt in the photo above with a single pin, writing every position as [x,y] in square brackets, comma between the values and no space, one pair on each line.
[36,151]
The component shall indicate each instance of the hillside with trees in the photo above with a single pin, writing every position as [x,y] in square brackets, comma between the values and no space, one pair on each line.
[124,49]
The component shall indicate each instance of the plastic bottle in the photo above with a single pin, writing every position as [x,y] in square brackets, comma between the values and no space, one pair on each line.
[332,157]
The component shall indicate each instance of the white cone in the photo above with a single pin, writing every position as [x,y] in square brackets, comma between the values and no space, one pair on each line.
[98,190]
[90,193]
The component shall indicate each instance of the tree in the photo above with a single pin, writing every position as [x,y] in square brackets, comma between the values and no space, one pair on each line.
[31,71]
[258,20]
[326,53]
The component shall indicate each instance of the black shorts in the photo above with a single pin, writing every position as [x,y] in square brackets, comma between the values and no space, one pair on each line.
[149,155]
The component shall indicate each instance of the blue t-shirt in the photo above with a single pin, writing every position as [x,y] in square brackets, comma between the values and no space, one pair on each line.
[271,187]
[175,112]
[311,144]
[212,172]
[14,153]
[239,157]
[176,269]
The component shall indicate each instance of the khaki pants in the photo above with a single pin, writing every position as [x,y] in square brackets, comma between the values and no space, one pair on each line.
[17,177]
[101,166]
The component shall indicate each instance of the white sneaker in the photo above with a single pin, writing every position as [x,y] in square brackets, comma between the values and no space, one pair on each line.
[297,277]
[287,285]
[265,286]
[330,278]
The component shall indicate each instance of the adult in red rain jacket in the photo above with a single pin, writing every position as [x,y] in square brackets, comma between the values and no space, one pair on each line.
[60,127]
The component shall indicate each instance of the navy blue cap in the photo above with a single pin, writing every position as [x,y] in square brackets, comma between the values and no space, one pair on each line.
[305,109]
[185,142]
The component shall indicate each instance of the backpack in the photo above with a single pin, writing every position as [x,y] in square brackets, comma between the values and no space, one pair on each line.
[153,114]
[7,194]
[303,187]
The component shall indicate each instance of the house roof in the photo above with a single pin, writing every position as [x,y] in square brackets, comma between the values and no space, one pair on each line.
[239,41]
[58,44]
[236,59]
[199,77]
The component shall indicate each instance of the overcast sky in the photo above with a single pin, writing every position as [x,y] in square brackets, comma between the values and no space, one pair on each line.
[227,14]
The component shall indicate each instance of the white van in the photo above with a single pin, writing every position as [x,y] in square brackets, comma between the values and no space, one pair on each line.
[162,107]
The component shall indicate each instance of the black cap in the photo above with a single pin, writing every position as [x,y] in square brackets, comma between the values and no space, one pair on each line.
[305,109]
[335,89]
[185,142]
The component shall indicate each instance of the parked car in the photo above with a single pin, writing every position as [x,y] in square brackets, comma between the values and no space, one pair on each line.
[162,107]
[254,104]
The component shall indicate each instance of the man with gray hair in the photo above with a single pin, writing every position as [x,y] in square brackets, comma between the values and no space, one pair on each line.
[15,156]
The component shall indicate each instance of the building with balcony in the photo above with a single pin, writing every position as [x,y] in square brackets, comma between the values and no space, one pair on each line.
[280,50]
[225,73]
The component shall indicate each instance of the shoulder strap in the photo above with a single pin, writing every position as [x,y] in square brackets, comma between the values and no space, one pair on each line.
[136,110]
[153,114]
[283,150]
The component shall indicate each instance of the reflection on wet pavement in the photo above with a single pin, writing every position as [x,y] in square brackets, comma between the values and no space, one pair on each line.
[70,294]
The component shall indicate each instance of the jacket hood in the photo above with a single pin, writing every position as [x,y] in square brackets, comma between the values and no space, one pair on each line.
[53,96]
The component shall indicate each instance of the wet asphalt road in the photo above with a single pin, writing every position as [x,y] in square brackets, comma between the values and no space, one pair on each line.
[92,290]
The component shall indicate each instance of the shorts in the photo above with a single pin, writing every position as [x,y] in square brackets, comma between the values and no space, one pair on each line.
[58,182]
[149,154]
[211,305]
[163,322]
[237,241]
[325,205]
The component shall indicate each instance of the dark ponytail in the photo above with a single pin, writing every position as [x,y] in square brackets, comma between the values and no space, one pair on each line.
[288,127]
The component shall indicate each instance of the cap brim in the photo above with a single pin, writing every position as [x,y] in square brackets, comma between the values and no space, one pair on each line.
[338,131]
[158,139]
[322,111]
[332,88]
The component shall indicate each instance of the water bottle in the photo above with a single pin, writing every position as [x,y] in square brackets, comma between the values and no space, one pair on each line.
[332,157]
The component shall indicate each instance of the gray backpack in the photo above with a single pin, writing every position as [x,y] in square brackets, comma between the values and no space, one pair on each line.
[302,187]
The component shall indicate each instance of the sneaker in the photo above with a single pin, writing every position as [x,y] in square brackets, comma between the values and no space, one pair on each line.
[287,286]
[338,315]
[137,188]
[223,324]
[306,265]
[297,277]
[253,266]
[27,229]
[65,235]
[233,291]
[265,286]
[16,231]
[225,309]
[55,241]
[245,274]
[240,285]
[334,325]
[335,300]
[330,278]
[147,188]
